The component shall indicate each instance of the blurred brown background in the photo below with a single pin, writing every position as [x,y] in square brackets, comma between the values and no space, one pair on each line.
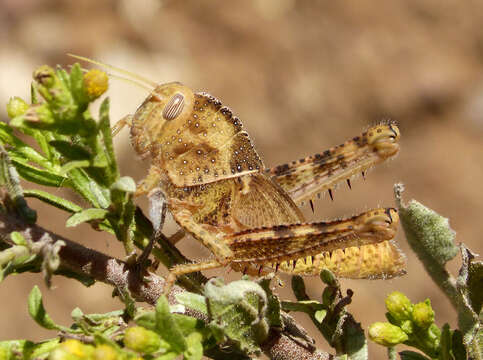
[303,76]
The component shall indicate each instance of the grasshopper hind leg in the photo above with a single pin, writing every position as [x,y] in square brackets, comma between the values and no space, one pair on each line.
[357,247]
[183,269]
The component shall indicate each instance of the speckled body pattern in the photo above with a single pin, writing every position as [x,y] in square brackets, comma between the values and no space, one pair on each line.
[218,190]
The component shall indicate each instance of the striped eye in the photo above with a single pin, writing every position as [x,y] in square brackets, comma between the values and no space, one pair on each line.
[174,107]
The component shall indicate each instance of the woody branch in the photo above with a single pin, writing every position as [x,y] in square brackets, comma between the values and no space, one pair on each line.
[117,273]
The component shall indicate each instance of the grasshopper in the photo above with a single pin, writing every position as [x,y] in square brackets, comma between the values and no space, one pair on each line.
[206,172]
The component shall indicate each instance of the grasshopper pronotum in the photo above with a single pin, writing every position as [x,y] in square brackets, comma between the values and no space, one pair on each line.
[207,173]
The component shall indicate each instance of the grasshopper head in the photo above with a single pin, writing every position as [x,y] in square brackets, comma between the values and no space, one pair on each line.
[168,106]
[384,139]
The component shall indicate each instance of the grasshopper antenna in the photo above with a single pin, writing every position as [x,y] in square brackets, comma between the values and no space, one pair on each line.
[125,79]
[130,81]
[110,67]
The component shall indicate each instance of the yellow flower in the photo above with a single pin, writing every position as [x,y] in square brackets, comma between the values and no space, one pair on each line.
[96,83]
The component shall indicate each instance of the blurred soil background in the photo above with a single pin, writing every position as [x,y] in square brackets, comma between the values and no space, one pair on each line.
[303,76]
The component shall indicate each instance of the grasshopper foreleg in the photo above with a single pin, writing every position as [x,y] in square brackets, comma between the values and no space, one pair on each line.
[121,123]
[157,215]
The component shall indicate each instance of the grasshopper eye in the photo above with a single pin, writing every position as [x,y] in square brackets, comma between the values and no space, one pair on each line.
[174,107]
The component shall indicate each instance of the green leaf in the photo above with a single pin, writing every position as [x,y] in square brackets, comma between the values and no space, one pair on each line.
[105,226]
[53,200]
[125,184]
[12,256]
[195,348]
[319,315]
[167,327]
[41,349]
[100,161]
[19,148]
[428,233]
[167,356]
[187,324]
[475,288]
[100,339]
[10,180]
[34,94]
[273,305]
[102,194]
[37,311]
[445,344]
[129,302]
[86,215]
[457,346]
[411,355]
[70,151]
[17,259]
[355,343]
[38,176]
[30,350]
[468,320]
[105,316]
[88,189]
[42,139]
[18,238]
[104,324]
[306,306]
[192,301]
[76,314]
[63,76]
[7,348]
[105,128]
[146,320]
[239,308]
[77,85]
[76,164]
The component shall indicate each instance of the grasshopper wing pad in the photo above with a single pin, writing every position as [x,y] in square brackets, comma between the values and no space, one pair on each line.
[373,261]
[260,202]
[209,145]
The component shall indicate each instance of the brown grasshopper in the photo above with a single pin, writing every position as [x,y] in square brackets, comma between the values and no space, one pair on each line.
[211,179]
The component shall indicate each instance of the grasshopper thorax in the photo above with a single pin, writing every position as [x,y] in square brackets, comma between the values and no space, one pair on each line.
[192,137]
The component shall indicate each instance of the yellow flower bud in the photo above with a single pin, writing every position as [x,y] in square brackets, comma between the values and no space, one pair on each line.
[71,350]
[74,347]
[16,107]
[399,306]
[45,76]
[386,334]
[96,83]
[104,352]
[142,340]
[423,314]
